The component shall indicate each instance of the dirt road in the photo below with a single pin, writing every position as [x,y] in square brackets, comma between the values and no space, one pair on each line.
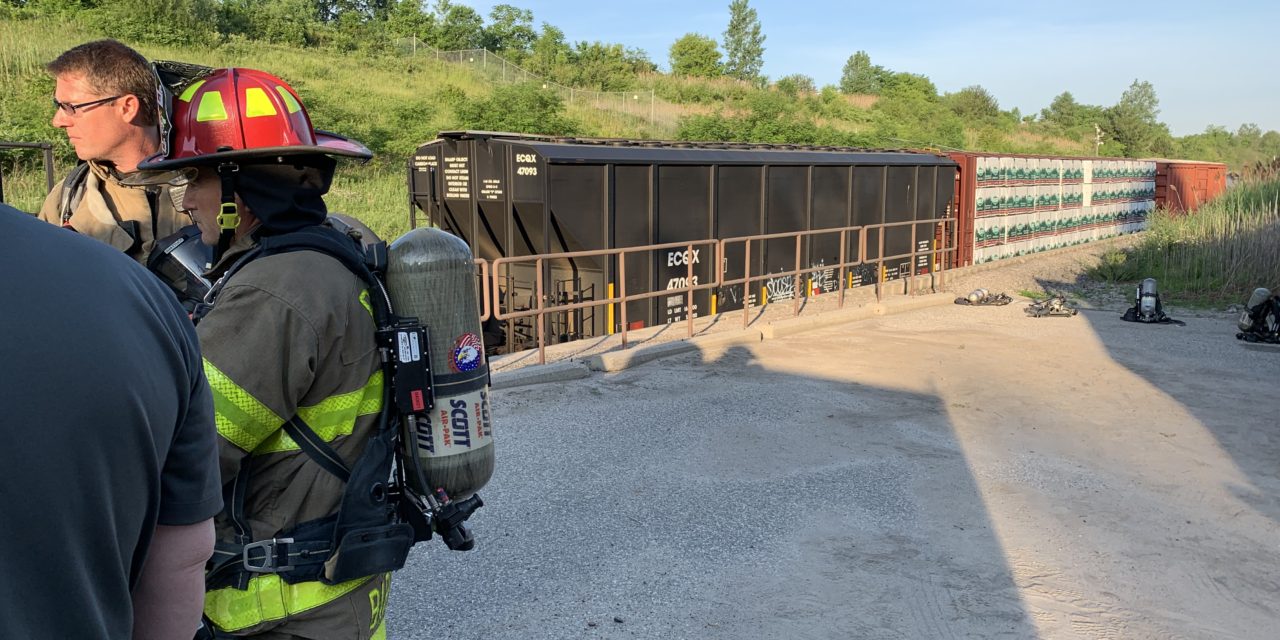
[948,473]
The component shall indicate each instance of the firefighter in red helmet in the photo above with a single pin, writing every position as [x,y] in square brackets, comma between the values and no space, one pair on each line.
[289,349]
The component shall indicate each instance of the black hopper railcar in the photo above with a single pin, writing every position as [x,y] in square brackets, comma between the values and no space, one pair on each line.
[521,195]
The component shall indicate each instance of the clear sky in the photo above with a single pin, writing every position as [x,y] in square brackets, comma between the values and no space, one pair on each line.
[1210,63]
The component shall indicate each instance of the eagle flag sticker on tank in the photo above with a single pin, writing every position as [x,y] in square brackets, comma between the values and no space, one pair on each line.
[468,353]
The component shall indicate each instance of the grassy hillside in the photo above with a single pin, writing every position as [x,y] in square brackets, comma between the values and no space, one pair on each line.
[391,105]
[394,102]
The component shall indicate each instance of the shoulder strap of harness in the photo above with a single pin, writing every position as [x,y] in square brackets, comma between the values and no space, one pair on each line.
[72,191]
[340,247]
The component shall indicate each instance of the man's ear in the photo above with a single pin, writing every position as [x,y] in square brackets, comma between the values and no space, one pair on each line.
[129,107]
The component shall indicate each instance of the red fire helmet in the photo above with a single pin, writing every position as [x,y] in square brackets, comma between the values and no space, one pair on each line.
[239,114]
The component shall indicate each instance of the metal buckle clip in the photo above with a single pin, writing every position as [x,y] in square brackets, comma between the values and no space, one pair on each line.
[269,555]
[228,216]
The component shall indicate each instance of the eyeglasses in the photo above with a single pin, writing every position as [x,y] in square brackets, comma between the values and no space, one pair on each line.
[71,109]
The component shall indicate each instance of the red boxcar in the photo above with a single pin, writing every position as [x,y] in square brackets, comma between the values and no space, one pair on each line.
[1183,185]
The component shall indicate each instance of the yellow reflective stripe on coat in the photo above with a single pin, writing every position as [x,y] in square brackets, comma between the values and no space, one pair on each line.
[364,301]
[333,417]
[270,598]
[241,418]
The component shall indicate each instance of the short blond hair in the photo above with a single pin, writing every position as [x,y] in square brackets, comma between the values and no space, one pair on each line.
[112,68]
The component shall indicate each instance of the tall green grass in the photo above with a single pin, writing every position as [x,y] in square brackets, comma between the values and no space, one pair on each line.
[25,187]
[1214,256]
[377,196]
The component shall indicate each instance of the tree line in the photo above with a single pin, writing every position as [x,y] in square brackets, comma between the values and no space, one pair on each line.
[896,107]
[1131,127]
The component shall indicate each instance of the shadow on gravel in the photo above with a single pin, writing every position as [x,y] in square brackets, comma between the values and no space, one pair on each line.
[1228,385]
[717,498]
[1051,286]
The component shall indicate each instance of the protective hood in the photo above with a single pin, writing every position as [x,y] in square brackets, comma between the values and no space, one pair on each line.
[286,197]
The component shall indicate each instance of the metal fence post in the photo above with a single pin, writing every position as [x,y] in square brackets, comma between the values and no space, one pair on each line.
[880,264]
[746,285]
[795,303]
[844,257]
[911,279]
[940,252]
[688,283]
[862,248]
[622,293]
[955,242]
[542,328]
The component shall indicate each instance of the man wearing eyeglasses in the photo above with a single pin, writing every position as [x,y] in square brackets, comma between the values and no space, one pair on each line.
[105,99]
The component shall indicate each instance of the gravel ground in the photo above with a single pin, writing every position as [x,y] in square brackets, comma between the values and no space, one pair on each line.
[1064,272]
[954,472]
[1055,272]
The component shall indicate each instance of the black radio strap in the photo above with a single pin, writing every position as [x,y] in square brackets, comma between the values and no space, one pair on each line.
[318,450]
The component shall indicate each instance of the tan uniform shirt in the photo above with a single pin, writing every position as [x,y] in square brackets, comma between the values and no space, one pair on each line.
[106,203]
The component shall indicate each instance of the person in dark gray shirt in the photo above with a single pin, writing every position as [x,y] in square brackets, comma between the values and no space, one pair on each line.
[109,467]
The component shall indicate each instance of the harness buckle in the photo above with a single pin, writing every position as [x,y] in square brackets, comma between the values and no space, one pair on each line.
[274,553]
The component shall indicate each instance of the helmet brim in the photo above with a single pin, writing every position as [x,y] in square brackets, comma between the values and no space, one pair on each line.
[329,144]
[154,177]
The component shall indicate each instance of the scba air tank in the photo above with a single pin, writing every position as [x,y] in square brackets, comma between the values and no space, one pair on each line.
[431,276]
[1259,296]
[1148,299]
